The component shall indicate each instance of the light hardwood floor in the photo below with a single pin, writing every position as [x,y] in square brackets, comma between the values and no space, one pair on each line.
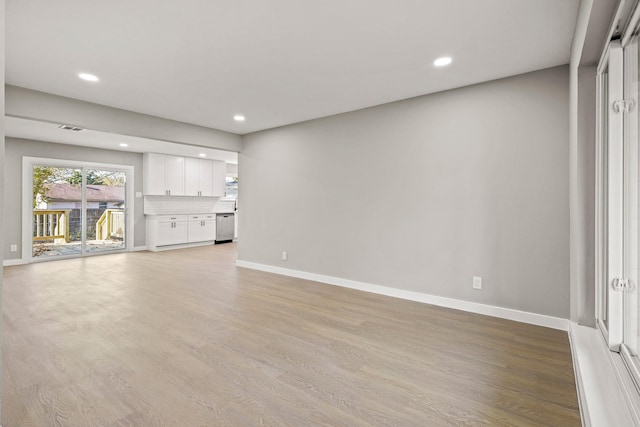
[185,338]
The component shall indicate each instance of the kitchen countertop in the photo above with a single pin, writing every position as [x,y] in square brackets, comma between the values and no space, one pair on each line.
[189,213]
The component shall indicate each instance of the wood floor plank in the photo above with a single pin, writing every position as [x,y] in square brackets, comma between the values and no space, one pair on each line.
[187,338]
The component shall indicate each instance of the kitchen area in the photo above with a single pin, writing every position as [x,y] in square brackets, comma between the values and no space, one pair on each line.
[189,201]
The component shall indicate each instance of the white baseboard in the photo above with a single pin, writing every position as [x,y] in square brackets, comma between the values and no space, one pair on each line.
[10,262]
[139,248]
[472,307]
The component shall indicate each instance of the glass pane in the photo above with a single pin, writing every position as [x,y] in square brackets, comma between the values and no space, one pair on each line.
[605,150]
[57,211]
[631,304]
[105,210]
[631,226]
[633,312]
[231,184]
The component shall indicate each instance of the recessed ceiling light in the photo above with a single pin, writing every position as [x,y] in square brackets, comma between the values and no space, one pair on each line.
[441,62]
[238,118]
[122,144]
[69,127]
[202,155]
[88,77]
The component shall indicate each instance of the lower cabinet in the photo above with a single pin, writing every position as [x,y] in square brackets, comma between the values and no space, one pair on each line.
[171,233]
[166,231]
[201,228]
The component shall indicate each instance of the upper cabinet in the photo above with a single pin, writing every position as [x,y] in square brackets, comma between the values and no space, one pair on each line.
[174,179]
[163,175]
[219,176]
[166,175]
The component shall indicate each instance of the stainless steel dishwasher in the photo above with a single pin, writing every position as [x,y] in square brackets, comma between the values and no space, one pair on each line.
[225,227]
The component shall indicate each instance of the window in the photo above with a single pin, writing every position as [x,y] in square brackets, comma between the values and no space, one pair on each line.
[231,187]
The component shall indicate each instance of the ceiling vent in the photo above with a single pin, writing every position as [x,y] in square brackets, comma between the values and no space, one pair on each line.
[69,127]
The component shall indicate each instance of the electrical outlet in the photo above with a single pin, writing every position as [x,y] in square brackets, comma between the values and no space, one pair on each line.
[477,282]
[14,248]
[284,256]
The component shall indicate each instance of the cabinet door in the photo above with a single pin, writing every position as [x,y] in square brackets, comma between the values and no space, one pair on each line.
[165,234]
[201,228]
[180,232]
[191,177]
[206,177]
[174,168]
[193,231]
[154,175]
[219,175]
[209,229]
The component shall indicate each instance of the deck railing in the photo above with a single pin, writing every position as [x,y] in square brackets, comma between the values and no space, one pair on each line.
[51,225]
[110,224]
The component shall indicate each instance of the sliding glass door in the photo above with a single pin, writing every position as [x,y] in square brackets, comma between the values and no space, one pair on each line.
[617,200]
[76,209]
[57,211]
[629,345]
[105,212]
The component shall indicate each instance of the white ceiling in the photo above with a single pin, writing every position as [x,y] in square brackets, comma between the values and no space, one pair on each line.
[277,61]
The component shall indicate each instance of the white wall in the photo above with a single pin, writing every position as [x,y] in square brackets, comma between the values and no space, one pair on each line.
[423,194]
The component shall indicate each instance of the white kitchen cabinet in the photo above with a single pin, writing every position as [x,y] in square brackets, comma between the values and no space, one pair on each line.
[219,173]
[163,175]
[198,177]
[166,230]
[166,175]
[201,228]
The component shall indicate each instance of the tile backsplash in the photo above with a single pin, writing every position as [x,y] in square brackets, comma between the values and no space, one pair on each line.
[160,205]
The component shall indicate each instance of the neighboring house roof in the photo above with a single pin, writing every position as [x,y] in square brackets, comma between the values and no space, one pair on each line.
[95,193]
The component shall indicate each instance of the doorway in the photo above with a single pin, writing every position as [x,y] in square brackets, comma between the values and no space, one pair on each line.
[75,209]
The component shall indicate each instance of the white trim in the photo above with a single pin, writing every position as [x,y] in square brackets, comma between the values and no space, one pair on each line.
[135,249]
[577,373]
[472,307]
[12,262]
[632,25]
[613,179]
[605,397]
[622,13]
